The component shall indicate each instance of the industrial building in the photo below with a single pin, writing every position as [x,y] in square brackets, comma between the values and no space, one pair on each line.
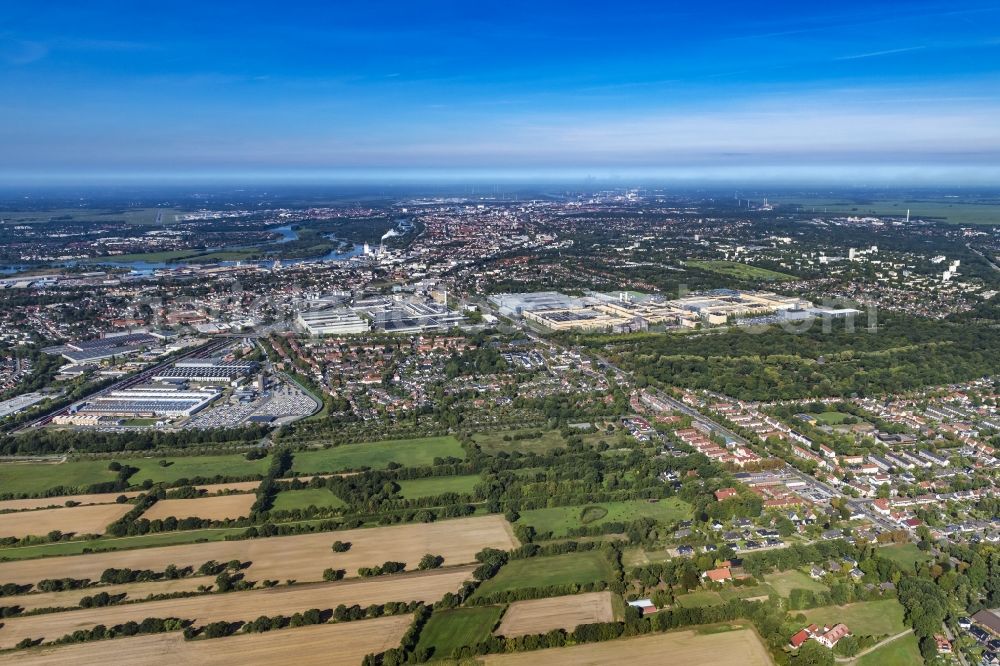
[331,321]
[628,312]
[208,371]
[407,315]
[106,347]
[149,401]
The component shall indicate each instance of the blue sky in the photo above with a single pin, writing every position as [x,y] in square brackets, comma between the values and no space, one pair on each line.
[129,89]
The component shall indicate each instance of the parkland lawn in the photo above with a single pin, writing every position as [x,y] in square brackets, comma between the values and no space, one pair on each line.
[786,581]
[32,478]
[703,598]
[189,467]
[376,455]
[494,442]
[905,555]
[302,499]
[567,569]
[559,520]
[738,270]
[438,485]
[456,627]
[903,651]
[865,618]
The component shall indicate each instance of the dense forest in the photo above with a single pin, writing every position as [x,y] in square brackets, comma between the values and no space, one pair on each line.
[904,353]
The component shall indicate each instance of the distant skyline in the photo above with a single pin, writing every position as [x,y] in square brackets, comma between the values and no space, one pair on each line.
[854,92]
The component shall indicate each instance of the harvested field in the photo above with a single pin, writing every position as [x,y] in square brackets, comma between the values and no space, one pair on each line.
[134,591]
[539,616]
[682,647]
[78,519]
[216,507]
[60,501]
[235,606]
[343,644]
[302,557]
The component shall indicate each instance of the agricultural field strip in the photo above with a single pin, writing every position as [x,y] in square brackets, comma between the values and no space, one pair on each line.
[302,557]
[328,644]
[684,647]
[233,606]
[216,507]
[133,591]
[89,519]
[539,616]
[60,501]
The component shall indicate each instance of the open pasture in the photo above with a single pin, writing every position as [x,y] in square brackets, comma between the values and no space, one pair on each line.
[558,520]
[438,485]
[301,557]
[865,618]
[342,644]
[538,616]
[33,478]
[453,628]
[377,455]
[190,467]
[567,569]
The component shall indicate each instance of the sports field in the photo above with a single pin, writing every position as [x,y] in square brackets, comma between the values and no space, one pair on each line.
[376,455]
[538,616]
[681,647]
[302,557]
[560,519]
[235,606]
[568,569]
[456,627]
[831,418]
[89,519]
[340,644]
[216,507]
[438,485]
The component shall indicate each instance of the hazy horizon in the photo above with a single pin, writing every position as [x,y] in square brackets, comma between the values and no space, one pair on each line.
[729,92]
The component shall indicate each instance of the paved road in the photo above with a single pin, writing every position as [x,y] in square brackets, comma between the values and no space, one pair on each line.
[984,257]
